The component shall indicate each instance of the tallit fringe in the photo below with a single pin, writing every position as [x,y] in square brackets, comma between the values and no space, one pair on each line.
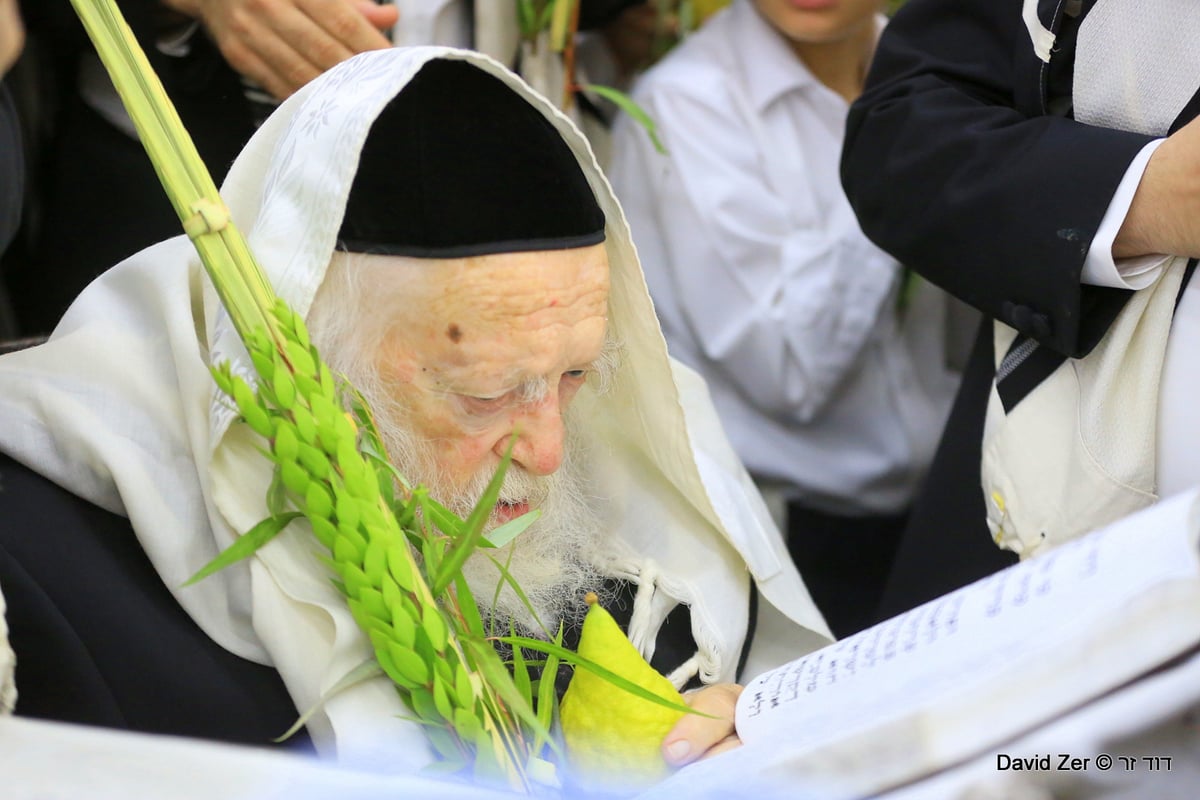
[644,624]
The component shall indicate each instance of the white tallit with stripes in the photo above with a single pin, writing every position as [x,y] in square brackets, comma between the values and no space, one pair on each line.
[1080,450]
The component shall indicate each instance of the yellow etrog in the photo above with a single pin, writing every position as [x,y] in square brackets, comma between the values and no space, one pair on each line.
[614,737]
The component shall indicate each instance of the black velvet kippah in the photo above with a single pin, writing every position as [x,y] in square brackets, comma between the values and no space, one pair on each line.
[458,165]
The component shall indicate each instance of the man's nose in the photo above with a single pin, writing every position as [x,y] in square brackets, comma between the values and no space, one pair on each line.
[539,432]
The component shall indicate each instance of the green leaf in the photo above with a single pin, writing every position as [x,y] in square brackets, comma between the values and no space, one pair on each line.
[627,104]
[246,545]
[433,548]
[442,518]
[364,671]
[560,24]
[592,666]
[276,493]
[222,375]
[909,281]
[506,577]
[496,677]
[547,698]
[686,15]
[445,519]
[520,671]
[502,535]
[487,769]
[496,593]
[467,606]
[543,19]
[526,18]
[383,480]
[473,527]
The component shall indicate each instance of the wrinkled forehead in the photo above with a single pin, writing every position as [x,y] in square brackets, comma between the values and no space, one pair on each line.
[494,295]
[482,324]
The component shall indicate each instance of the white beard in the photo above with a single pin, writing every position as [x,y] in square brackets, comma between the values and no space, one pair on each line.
[554,560]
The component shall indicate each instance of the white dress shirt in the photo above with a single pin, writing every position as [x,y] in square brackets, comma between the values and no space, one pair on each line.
[763,280]
[444,22]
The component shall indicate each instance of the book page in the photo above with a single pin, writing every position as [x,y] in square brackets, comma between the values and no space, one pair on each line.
[989,634]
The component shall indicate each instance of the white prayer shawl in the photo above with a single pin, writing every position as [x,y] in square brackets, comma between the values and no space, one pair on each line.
[119,408]
[1080,450]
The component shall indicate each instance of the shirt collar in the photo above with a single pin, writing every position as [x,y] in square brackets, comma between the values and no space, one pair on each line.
[775,70]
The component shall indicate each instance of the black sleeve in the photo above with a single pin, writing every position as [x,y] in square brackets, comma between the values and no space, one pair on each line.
[12,169]
[100,640]
[955,166]
[206,91]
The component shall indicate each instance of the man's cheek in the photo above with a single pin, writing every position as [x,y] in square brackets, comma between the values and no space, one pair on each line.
[461,457]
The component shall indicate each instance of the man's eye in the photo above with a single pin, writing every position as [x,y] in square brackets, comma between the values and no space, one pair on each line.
[483,406]
[575,374]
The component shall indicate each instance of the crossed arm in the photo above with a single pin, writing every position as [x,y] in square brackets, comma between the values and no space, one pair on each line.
[1165,214]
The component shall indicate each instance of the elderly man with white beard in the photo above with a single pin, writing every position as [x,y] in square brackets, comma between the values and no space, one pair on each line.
[451,447]
[462,261]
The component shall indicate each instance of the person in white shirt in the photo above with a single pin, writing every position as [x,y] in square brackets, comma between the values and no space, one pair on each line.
[831,391]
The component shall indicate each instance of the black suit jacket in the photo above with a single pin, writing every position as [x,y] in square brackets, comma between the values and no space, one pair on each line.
[206,92]
[962,159]
[100,640]
[94,196]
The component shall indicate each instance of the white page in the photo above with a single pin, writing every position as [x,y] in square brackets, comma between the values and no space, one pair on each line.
[977,637]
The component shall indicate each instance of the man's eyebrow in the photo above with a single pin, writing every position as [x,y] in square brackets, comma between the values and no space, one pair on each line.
[533,387]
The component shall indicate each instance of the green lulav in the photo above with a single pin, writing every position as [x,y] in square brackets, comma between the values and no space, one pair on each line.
[336,487]
[296,406]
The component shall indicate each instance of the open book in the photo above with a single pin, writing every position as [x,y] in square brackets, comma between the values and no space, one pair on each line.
[958,677]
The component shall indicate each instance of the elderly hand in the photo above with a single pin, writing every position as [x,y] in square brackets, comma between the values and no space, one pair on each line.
[695,737]
[283,44]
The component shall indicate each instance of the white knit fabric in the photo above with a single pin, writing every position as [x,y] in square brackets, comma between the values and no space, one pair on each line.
[1080,450]
[1133,73]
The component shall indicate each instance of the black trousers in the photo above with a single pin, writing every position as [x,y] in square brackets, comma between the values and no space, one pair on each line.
[947,544]
[845,562]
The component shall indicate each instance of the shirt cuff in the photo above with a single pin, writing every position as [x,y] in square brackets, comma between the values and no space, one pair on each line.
[1099,267]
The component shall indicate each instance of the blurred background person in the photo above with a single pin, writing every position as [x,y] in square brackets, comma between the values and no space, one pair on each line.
[831,371]
[225,64]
